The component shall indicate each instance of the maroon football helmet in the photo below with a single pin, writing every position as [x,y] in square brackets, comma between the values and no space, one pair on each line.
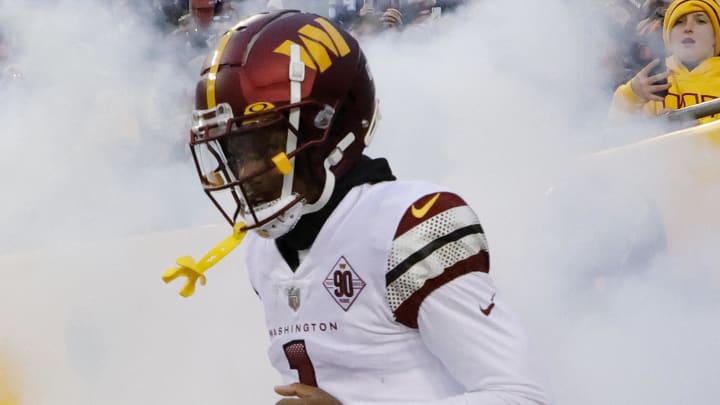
[285,106]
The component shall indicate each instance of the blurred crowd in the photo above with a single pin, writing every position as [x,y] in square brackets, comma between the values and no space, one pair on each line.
[200,21]
[636,30]
[653,61]
[194,26]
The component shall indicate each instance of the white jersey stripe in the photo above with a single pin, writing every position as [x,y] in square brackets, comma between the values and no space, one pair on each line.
[429,230]
[432,266]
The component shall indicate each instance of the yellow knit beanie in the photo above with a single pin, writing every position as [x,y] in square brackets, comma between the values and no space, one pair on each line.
[679,8]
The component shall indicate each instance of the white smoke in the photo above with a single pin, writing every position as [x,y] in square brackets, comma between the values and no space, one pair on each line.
[498,102]
[95,128]
[503,105]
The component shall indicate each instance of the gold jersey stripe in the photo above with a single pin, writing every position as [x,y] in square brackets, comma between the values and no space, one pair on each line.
[214,67]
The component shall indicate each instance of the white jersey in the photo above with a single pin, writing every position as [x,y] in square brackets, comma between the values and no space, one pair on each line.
[393,304]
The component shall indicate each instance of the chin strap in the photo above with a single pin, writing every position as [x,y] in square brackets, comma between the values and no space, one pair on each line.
[195,270]
[333,158]
[296,74]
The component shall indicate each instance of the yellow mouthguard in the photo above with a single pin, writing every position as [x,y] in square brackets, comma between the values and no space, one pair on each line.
[282,163]
[195,270]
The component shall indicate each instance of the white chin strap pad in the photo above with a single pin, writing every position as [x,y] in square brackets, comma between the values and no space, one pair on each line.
[296,74]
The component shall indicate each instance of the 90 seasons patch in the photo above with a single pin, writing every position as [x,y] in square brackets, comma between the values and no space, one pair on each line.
[343,283]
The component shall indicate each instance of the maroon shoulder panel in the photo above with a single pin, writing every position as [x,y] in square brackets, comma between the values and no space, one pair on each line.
[427,207]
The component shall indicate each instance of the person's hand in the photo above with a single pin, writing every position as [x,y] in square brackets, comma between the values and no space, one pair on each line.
[392,18]
[306,395]
[644,85]
[366,10]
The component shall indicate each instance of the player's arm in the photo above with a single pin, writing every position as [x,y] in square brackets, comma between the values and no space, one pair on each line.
[438,282]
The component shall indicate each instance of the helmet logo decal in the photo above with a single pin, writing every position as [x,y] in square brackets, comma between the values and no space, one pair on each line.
[318,44]
[214,67]
[255,108]
[258,107]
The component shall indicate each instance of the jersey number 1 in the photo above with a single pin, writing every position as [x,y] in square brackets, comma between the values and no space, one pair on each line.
[299,360]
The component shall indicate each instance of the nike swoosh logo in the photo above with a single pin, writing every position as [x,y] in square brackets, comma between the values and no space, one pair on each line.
[420,212]
[490,307]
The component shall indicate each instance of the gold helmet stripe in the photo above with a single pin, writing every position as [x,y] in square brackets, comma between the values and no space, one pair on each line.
[319,53]
[342,46]
[284,49]
[214,67]
[320,36]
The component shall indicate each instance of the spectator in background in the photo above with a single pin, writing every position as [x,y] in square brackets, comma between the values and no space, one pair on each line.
[367,21]
[206,20]
[169,12]
[415,12]
[691,34]
[648,37]
[380,15]
[344,12]
[614,21]
[320,7]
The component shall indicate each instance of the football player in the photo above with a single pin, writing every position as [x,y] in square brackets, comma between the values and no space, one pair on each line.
[375,290]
